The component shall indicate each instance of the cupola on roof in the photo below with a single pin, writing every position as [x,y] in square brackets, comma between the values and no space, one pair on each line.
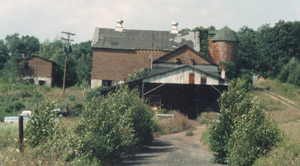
[225,34]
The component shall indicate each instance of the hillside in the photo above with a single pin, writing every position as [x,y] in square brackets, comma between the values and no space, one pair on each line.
[283,104]
[16,97]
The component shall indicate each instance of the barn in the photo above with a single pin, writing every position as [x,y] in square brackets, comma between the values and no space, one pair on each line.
[180,78]
[37,70]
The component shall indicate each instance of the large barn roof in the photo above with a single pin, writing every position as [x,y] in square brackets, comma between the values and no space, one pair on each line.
[143,40]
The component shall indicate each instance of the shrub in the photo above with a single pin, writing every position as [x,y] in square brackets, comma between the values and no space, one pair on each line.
[254,135]
[206,118]
[178,124]
[76,110]
[120,123]
[139,74]
[189,133]
[242,132]
[42,125]
[232,107]
[72,97]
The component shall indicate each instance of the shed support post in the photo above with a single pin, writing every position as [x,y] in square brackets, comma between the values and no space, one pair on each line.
[143,86]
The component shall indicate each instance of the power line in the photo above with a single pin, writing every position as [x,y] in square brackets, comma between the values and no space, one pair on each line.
[66,57]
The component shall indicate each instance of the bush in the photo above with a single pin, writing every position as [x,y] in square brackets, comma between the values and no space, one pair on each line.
[120,123]
[206,118]
[72,97]
[178,124]
[42,125]
[254,135]
[76,110]
[232,107]
[242,132]
[189,133]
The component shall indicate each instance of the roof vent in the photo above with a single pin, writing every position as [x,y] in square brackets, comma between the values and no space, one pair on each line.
[174,29]
[119,27]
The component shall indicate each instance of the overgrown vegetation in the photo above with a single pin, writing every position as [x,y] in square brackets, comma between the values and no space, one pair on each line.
[178,124]
[119,124]
[139,74]
[242,133]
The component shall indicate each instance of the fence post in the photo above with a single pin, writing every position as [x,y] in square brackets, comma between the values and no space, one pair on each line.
[21,136]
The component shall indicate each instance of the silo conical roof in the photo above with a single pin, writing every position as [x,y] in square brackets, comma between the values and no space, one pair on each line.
[225,34]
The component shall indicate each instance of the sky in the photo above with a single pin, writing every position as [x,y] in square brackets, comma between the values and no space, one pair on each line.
[46,19]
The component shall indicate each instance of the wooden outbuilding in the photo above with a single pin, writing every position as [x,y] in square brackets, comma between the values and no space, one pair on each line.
[37,70]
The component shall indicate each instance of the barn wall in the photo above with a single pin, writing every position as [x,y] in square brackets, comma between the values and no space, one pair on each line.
[111,64]
[181,76]
[40,67]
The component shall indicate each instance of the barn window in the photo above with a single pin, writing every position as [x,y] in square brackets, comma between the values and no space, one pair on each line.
[178,61]
[203,79]
[42,82]
[193,62]
[106,82]
[192,78]
[26,65]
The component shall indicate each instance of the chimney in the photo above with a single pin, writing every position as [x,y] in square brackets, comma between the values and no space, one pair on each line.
[119,27]
[174,29]
[223,73]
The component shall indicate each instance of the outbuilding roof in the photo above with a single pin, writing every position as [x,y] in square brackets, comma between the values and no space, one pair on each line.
[143,39]
[225,34]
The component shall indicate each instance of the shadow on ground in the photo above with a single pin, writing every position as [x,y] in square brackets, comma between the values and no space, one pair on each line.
[147,153]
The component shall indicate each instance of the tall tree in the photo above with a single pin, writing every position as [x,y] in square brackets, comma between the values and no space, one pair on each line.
[3,54]
[25,45]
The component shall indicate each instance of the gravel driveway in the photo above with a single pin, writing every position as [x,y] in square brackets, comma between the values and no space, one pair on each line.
[174,150]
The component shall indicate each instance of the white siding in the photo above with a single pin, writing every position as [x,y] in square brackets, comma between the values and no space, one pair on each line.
[181,76]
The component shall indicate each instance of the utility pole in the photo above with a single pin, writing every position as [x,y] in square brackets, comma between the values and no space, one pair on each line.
[66,57]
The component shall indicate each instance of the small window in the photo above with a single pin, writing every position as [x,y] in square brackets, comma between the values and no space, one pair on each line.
[178,61]
[193,62]
[26,65]
[106,82]
[31,81]
[42,82]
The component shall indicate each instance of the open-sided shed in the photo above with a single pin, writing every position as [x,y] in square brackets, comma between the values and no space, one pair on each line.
[185,88]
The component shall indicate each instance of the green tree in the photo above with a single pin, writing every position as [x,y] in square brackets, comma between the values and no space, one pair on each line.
[242,132]
[254,136]
[120,123]
[42,125]
[139,74]
[3,54]
[24,45]
[248,59]
[231,108]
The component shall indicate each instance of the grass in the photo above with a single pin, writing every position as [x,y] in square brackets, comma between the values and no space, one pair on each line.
[189,133]
[287,117]
[206,118]
[8,136]
[17,97]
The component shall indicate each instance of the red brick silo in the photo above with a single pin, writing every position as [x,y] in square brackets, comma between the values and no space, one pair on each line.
[223,46]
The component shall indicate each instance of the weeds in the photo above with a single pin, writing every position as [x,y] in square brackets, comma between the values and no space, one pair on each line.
[179,123]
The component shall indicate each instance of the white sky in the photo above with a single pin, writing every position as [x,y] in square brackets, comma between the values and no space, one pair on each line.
[45,19]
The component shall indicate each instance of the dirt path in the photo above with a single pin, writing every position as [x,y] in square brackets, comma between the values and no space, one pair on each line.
[174,150]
